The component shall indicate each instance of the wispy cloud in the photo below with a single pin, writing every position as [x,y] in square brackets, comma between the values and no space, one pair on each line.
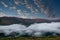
[17,2]
[12,8]
[2,14]
[5,5]
[46,10]
[19,11]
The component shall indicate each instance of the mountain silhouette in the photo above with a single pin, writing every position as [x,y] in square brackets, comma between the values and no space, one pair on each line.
[27,22]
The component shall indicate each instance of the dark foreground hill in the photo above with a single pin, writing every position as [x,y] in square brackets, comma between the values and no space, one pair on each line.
[27,22]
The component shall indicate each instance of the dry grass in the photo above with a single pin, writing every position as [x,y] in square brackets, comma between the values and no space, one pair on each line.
[30,38]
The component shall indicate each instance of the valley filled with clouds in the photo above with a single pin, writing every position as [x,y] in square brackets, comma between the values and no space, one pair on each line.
[34,30]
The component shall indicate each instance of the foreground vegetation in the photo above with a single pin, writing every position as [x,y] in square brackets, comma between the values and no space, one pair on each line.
[30,38]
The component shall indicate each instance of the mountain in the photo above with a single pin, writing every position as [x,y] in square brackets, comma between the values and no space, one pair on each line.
[27,22]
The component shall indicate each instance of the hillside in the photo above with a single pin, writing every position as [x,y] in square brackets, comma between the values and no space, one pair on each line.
[27,22]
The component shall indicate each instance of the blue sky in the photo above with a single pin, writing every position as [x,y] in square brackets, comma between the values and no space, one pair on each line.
[18,8]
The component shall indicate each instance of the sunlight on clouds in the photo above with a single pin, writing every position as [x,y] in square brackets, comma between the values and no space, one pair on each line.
[33,7]
[17,2]
[27,13]
[23,16]
[19,11]
[29,6]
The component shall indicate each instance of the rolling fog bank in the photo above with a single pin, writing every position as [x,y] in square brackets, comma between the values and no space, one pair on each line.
[35,30]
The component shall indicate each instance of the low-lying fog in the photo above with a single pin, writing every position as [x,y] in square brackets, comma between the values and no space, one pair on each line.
[35,30]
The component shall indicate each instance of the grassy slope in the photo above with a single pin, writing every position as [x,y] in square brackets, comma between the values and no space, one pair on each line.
[30,38]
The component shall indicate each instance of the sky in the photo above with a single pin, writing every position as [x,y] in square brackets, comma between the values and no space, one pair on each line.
[30,8]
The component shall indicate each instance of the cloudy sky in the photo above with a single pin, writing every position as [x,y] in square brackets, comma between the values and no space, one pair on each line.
[30,8]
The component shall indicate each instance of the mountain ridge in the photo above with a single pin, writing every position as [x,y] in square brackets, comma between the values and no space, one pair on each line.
[16,20]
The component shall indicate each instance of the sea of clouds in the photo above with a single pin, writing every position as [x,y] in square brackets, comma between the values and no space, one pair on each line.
[35,30]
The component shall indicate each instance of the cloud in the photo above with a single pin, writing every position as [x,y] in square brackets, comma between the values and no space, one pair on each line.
[13,8]
[5,5]
[25,15]
[13,28]
[36,29]
[19,11]
[2,14]
[45,6]
[17,2]
[40,29]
